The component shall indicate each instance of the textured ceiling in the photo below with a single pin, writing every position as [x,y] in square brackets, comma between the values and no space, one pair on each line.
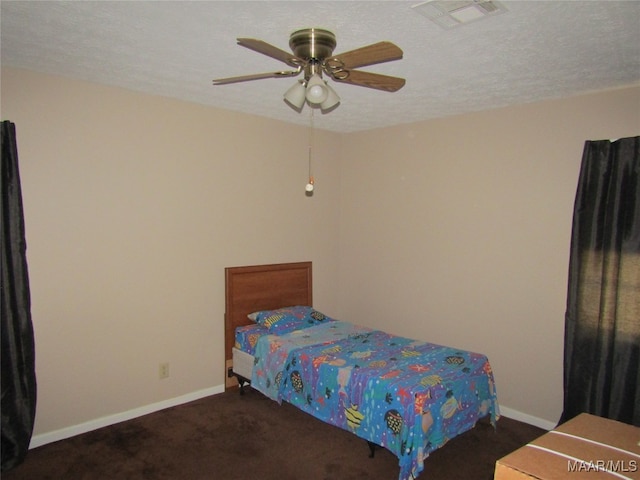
[537,50]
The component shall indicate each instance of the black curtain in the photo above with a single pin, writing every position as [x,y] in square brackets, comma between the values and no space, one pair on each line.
[18,348]
[602,324]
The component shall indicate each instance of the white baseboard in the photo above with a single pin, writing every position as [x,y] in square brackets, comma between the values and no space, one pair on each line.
[67,432]
[49,437]
[526,418]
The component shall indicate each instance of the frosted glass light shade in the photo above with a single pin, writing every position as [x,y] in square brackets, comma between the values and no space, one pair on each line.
[332,99]
[317,90]
[295,96]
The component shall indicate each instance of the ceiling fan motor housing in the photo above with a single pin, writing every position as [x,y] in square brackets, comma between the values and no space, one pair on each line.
[312,43]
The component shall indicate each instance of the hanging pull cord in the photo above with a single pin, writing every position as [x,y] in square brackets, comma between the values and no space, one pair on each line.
[309,187]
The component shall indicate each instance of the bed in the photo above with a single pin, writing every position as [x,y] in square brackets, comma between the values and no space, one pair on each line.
[406,395]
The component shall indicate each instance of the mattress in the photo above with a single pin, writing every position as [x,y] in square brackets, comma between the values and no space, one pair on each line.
[242,363]
[246,339]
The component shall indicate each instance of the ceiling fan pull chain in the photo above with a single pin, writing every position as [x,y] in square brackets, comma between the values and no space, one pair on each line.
[309,187]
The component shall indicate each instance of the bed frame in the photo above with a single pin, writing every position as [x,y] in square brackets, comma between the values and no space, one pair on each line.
[267,287]
[261,287]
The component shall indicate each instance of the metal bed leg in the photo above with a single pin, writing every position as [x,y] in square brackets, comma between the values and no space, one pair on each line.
[372,448]
[241,382]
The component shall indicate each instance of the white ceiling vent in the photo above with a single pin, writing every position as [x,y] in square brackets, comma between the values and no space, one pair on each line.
[453,13]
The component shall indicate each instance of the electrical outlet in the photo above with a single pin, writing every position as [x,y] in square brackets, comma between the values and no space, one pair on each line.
[163,371]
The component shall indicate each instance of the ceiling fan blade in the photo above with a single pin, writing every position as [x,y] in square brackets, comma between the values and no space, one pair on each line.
[271,51]
[256,76]
[371,80]
[376,53]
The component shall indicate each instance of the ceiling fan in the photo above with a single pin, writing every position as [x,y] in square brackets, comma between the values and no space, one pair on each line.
[312,54]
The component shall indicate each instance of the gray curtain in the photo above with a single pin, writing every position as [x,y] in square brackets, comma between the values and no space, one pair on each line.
[18,349]
[602,324]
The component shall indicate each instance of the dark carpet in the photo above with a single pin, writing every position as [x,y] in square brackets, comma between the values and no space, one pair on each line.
[228,436]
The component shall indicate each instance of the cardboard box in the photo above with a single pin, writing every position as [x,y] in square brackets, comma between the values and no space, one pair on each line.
[584,448]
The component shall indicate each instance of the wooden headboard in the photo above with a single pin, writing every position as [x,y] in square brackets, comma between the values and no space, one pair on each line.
[262,287]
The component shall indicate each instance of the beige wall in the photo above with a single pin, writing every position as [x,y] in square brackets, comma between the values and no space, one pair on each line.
[454,231]
[134,205]
[457,231]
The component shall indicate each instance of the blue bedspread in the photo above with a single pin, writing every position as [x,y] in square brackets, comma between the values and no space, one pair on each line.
[408,396]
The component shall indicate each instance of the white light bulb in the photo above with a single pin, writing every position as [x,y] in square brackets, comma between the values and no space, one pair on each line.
[309,187]
[316,90]
[315,93]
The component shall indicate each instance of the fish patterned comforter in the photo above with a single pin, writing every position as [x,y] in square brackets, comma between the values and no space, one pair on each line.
[408,396]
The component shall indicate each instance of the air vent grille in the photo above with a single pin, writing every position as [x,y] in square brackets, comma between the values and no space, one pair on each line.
[453,13]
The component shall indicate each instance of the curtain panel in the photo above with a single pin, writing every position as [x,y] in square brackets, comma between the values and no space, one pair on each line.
[602,322]
[18,349]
